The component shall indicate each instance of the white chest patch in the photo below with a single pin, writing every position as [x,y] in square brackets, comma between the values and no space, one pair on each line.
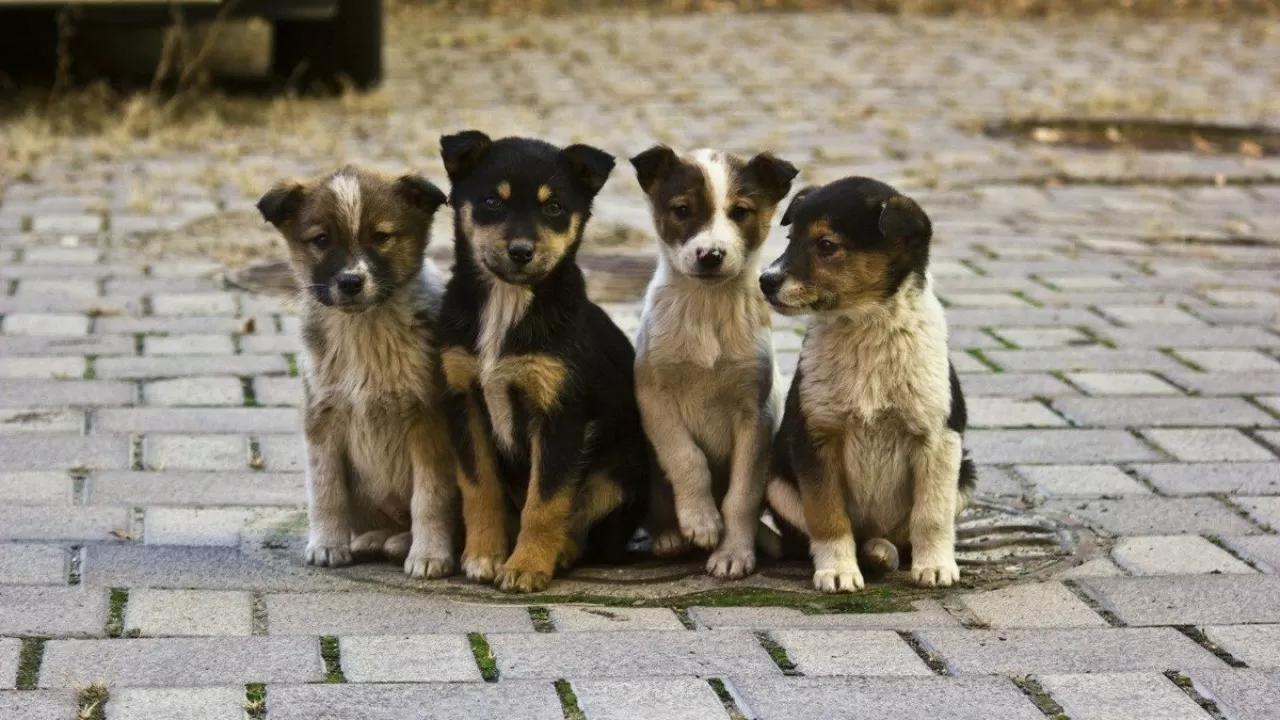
[506,306]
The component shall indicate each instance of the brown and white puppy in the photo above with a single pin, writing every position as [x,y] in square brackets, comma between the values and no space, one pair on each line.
[708,388]
[870,448]
[380,466]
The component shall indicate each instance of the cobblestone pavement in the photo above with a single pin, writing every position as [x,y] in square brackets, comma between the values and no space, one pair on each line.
[1117,330]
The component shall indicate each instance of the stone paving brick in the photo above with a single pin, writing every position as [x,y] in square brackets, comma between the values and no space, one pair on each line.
[348,614]
[838,653]
[408,658]
[1263,510]
[932,698]
[1157,516]
[1229,383]
[656,699]
[443,701]
[68,288]
[39,522]
[195,488]
[181,325]
[1056,446]
[188,345]
[1258,646]
[35,488]
[1037,605]
[1158,336]
[1182,600]
[57,611]
[41,368]
[198,568]
[1082,360]
[579,619]
[195,526]
[194,392]
[145,368]
[208,420]
[188,703]
[102,345]
[10,648]
[1003,412]
[984,300]
[195,452]
[1050,317]
[925,614]
[188,612]
[84,224]
[1240,694]
[180,662]
[1162,412]
[1111,696]
[1132,383]
[1078,650]
[59,393]
[1201,478]
[1018,385]
[1261,550]
[38,705]
[993,480]
[1207,444]
[1231,360]
[214,303]
[283,452]
[44,324]
[282,343]
[278,390]
[962,362]
[643,653]
[1043,337]
[1081,480]
[1148,315]
[1175,555]
[15,421]
[33,564]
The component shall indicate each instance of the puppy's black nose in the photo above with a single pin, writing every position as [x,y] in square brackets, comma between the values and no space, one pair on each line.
[350,283]
[520,252]
[710,259]
[770,282]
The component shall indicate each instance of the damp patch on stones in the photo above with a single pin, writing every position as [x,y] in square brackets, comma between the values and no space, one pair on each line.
[1251,141]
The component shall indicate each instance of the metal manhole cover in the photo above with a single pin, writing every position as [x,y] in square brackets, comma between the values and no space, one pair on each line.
[1253,141]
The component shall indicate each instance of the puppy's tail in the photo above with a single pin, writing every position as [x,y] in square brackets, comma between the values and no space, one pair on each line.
[784,499]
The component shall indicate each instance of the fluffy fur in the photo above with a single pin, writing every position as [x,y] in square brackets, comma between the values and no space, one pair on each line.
[379,461]
[870,444]
[542,412]
[706,381]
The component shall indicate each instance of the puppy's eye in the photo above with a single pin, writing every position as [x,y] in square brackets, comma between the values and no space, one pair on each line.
[827,246]
[738,213]
[681,212]
[553,209]
[320,242]
[492,202]
[382,238]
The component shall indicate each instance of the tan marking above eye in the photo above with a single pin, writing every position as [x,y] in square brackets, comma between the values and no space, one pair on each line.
[504,190]
[544,193]
[385,228]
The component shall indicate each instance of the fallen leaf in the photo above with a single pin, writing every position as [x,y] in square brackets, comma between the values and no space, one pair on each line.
[121,534]
[1251,149]
[1046,135]
[1220,180]
[249,326]
[1113,134]
[1202,145]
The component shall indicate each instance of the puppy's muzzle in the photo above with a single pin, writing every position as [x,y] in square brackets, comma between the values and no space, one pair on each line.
[770,283]
[520,252]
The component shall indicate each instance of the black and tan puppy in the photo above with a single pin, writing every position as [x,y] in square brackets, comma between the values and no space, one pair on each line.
[379,460]
[542,410]
[872,426]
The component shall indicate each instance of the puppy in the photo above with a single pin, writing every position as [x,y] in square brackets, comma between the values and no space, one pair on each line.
[379,458]
[871,433]
[709,392]
[540,380]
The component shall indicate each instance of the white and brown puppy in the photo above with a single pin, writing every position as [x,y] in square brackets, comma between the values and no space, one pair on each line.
[869,455]
[709,392]
[380,466]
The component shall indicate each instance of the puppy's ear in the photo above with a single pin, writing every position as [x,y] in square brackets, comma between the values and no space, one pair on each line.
[789,214]
[591,166]
[462,151]
[653,165]
[281,202]
[902,219]
[773,174]
[420,192]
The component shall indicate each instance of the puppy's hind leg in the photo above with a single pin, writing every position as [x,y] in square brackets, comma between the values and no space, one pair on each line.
[663,527]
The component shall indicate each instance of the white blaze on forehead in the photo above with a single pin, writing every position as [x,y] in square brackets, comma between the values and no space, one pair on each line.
[346,192]
[716,170]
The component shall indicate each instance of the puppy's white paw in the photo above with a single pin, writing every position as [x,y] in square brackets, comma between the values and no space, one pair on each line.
[370,543]
[841,578]
[482,568]
[940,573]
[670,543]
[732,563]
[422,564]
[325,554]
[397,546]
[702,525]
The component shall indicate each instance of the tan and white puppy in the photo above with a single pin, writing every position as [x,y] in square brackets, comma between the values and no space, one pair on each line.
[380,466]
[869,457]
[709,391]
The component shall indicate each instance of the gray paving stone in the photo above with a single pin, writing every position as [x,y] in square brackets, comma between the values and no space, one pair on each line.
[1148,315]
[1175,555]
[192,420]
[1082,360]
[1036,605]
[181,662]
[61,256]
[33,564]
[1258,646]
[280,343]
[1202,478]
[430,701]
[643,653]
[41,368]
[1078,650]
[1097,567]
[1049,317]
[1240,694]
[27,420]
[39,522]
[1131,383]
[68,287]
[195,488]
[102,345]
[349,614]
[963,363]
[997,481]
[408,658]
[145,368]
[188,703]
[199,568]
[57,611]
[839,653]
[1263,510]
[579,619]
[45,324]
[38,705]
[35,488]
[1056,447]
[278,391]
[58,393]
[1227,383]
[188,345]
[1261,550]
[1157,516]
[194,392]
[1182,600]
[1137,411]
[195,452]
[924,698]
[1005,412]
[159,613]
[10,648]
[649,699]
[198,324]
[1231,360]
[1111,696]
[1081,480]
[196,526]
[212,303]
[286,453]
[1207,444]
[926,614]
[1043,337]
[84,224]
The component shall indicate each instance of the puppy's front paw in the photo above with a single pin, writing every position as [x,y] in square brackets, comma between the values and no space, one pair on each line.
[482,568]
[940,573]
[670,544]
[702,525]
[328,554]
[841,578]
[732,563]
[522,580]
[422,564]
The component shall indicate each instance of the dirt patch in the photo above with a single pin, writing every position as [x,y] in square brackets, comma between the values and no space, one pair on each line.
[1253,141]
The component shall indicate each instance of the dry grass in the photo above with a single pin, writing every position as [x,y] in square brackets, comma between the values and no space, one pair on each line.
[1220,9]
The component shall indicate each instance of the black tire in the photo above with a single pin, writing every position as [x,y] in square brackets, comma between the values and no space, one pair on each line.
[348,45]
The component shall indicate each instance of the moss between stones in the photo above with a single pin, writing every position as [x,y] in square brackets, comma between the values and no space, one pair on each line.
[484,657]
[29,660]
[92,702]
[332,660]
[569,701]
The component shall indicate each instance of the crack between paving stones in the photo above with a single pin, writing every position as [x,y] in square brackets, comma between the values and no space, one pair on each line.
[682,614]
[1222,545]
[75,560]
[29,659]
[1076,589]
[727,699]
[484,656]
[541,618]
[569,701]
[1198,637]
[331,653]
[258,613]
[255,701]
[777,653]
[930,658]
[1040,697]
[115,616]
[91,702]
[1187,686]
